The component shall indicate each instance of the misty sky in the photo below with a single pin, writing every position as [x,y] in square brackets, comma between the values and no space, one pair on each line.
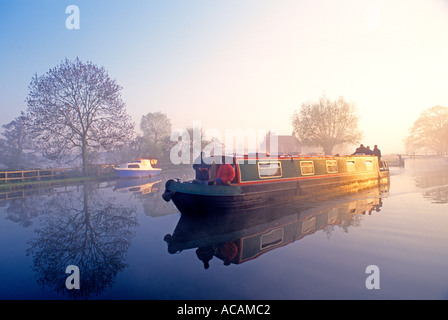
[241,64]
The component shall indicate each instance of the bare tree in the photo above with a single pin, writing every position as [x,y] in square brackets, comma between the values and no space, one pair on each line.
[76,108]
[429,132]
[156,128]
[326,123]
[15,148]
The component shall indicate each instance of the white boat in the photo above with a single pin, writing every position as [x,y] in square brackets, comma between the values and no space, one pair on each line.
[138,169]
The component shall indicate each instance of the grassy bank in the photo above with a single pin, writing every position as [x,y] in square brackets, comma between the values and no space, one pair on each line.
[19,185]
[32,179]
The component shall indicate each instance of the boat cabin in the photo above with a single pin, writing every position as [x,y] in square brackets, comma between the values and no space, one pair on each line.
[264,169]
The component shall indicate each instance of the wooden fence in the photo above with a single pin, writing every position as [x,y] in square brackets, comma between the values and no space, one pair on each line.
[50,174]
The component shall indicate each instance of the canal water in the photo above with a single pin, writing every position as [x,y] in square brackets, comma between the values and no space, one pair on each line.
[130,244]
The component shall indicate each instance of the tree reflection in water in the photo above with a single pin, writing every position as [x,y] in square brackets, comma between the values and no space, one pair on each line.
[86,230]
[23,210]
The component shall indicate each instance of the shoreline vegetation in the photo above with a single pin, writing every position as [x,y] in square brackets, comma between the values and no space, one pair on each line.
[31,179]
[36,178]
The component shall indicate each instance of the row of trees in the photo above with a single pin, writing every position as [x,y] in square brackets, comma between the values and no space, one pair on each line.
[75,113]
[429,133]
[327,123]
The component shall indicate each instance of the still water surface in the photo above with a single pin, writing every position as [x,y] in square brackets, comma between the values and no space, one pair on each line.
[130,244]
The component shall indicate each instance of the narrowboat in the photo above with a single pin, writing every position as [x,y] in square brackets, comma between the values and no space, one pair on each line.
[261,181]
[138,169]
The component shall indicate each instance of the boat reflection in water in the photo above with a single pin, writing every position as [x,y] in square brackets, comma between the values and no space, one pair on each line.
[138,186]
[242,236]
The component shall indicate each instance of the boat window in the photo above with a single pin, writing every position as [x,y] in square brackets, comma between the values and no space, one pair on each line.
[332,166]
[269,169]
[134,166]
[272,238]
[351,165]
[332,216]
[369,165]
[308,225]
[307,168]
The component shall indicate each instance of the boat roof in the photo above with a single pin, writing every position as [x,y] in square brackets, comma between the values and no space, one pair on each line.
[285,156]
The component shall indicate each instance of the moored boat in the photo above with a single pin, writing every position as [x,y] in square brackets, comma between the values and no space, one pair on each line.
[138,169]
[266,181]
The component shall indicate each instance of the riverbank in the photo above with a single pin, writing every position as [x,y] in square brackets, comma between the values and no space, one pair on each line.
[13,186]
[33,179]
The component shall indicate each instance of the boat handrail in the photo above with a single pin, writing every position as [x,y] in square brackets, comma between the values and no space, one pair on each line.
[290,156]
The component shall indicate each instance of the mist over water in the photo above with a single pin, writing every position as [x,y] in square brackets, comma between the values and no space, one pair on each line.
[130,244]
